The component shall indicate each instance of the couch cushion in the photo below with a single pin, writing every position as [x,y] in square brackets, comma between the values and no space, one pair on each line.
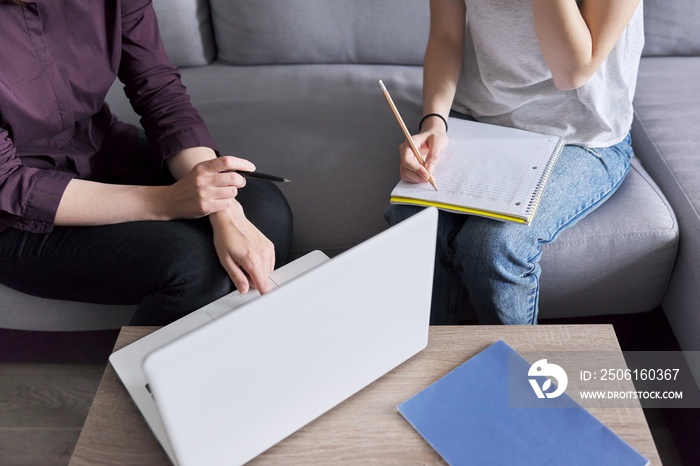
[185,26]
[617,260]
[672,27]
[20,311]
[329,130]
[326,127]
[666,128]
[329,31]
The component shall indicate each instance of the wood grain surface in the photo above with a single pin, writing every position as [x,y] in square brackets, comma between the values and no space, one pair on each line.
[366,428]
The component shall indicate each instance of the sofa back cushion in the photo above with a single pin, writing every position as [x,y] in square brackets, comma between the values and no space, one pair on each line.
[320,31]
[185,26]
[672,27]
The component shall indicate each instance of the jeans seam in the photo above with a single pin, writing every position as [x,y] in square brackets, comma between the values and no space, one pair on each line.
[585,209]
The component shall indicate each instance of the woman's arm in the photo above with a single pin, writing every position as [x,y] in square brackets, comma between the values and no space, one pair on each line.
[208,187]
[172,124]
[88,203]
[153,84]
[441,69]
[574,41]
[246,254]
[205,188]
[443,57]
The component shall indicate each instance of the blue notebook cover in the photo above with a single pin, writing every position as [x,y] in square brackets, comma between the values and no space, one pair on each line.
[468,418]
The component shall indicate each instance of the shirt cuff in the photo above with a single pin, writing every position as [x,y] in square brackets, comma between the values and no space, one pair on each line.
[42,203]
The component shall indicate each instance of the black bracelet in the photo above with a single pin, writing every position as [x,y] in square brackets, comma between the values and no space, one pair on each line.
[432,115]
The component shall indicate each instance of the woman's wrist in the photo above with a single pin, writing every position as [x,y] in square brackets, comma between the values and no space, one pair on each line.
[156,204]
[231,213]
[180,163]
[433,121]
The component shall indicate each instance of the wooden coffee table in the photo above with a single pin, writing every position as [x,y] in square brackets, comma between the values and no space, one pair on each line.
[366,428]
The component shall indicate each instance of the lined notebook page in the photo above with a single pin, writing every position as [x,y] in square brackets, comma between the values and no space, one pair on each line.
[487,167]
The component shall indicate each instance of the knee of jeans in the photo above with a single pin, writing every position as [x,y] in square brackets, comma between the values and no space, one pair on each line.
[484,241]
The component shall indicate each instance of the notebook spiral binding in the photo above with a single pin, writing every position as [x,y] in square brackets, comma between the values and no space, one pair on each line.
[534,201]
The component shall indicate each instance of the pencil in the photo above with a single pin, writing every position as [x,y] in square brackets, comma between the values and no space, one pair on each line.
[405,130]
[262,176]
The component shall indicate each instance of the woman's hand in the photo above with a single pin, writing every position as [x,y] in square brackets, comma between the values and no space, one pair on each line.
[210,186]
[430,143]
[246,254]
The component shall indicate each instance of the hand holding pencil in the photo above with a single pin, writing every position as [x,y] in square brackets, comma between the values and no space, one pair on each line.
[409,139]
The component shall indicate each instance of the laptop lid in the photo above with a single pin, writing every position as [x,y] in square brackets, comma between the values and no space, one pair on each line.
[128,361]
[234,387]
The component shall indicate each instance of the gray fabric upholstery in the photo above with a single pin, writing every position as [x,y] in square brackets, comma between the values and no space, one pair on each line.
[672,27]
[615,261]
[185,26]
[312,31]
[310,110]
[19,311]
[325,127]
[666,128]
[329,130]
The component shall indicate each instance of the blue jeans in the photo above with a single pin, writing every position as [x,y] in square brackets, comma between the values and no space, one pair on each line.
[497,263]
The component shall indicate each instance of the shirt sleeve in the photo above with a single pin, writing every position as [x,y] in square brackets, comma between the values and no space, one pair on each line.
[29,196]
[153,84]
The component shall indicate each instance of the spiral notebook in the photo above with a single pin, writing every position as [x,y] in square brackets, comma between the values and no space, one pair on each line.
[488,170]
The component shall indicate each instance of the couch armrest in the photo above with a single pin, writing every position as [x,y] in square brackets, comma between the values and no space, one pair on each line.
[666,139]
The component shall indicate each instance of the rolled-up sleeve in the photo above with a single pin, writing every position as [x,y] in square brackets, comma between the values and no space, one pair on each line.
[29,197]
[153,84]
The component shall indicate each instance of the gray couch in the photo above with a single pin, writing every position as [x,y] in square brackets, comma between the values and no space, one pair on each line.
[667,141]
[292,85]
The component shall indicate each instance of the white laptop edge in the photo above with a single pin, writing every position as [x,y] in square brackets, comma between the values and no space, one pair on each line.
[194,428]
[128,361]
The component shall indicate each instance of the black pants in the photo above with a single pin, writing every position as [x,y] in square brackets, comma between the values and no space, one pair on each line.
[168,268]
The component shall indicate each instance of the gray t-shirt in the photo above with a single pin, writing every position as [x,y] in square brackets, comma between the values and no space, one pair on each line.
[505,79]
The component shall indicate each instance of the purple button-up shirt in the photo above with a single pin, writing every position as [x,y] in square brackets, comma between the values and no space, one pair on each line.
[58,59]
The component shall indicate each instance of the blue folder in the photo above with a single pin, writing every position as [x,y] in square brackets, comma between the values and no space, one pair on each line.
[469,418]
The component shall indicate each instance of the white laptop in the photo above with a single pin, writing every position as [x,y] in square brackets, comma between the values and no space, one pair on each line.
[227,382]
